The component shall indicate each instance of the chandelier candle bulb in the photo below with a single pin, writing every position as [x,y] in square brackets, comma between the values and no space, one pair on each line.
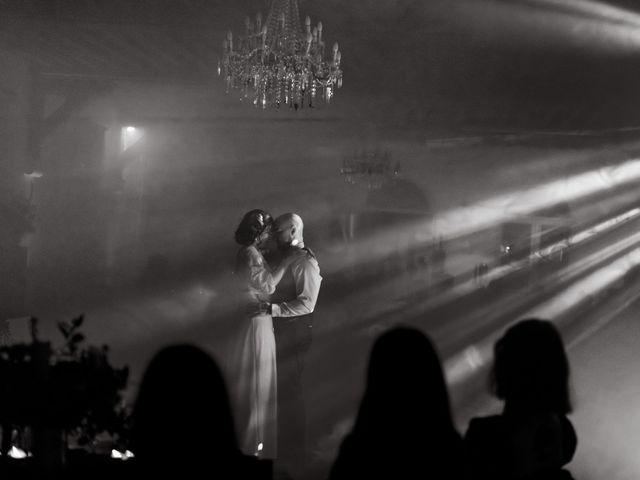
[309,38]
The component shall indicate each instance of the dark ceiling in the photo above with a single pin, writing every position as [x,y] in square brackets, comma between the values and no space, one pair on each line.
[505,63]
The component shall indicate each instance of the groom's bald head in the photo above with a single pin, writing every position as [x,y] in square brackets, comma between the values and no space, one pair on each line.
[288,230]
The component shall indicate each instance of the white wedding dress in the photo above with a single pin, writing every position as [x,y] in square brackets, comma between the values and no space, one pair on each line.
[255,392]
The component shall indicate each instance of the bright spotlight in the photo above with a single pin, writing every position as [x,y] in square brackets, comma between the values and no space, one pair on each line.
[17,453]
[121,455]
[130,135]
[33,174]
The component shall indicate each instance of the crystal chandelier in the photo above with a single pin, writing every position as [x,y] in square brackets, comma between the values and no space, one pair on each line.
[276,64]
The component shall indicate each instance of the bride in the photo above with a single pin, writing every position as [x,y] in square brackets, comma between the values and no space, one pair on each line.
[255,386]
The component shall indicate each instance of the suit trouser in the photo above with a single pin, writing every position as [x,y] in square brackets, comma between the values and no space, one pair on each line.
[293,340]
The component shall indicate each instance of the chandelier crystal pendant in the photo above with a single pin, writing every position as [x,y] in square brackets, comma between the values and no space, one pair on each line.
[275,63]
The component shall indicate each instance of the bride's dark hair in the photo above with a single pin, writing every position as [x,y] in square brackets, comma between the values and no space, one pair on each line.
[252,225]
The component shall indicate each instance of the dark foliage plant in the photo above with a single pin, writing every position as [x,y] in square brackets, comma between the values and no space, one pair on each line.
[73,388]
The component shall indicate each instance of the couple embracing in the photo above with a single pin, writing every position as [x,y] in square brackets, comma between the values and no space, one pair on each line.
[279,280]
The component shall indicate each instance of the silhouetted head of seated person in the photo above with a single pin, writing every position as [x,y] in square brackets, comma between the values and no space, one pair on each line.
[532,438]
[404,422]
[182,420]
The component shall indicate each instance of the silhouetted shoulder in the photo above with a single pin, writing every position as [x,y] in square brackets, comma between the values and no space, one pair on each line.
[570,438]
[404,427]
[484,439]
[532,447]
[485,427]
[359,459]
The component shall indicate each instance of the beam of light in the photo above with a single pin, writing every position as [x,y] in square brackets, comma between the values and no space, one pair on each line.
[516,204]
[582,213]
[577,268]
[452,331]
[558,282]
[489,213]
[465,282]
[609,315]
[573,241]
[601,227]
[587,288]
[461,366]
[592,9]
[559,23]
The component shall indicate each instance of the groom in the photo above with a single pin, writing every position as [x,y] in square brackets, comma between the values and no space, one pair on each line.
[292,307]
